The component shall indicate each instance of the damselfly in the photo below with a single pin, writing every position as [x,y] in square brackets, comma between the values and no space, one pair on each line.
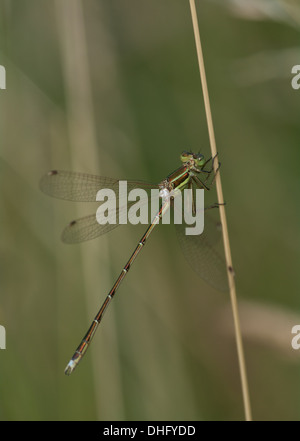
[195,171]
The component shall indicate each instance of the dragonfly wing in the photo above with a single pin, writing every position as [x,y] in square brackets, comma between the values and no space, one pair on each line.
[88,227]
[203,257]
[85,228]
[71,186]
[83,187]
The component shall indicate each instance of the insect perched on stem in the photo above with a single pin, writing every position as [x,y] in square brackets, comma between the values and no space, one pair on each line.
[193,172]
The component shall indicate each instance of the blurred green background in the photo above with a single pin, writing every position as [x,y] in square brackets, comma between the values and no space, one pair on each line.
[112,87]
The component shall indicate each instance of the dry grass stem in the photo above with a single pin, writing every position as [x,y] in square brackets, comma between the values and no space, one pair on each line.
[230,273]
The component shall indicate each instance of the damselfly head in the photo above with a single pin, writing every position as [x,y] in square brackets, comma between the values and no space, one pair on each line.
[197,158]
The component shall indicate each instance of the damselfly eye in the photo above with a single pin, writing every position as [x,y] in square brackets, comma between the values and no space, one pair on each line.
[199,158]
[185,156]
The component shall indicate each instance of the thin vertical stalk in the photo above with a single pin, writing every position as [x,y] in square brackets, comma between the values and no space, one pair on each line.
[230,272]
[84,156]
